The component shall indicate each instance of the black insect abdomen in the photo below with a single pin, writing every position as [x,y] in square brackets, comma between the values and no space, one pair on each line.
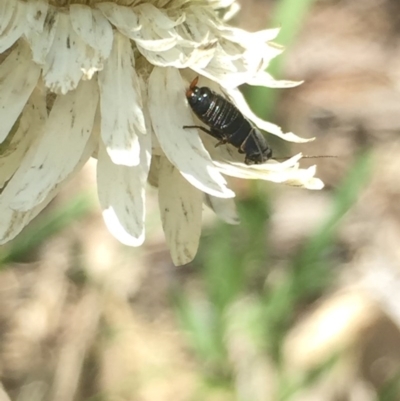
[222,115]
[227,123]
[217,112]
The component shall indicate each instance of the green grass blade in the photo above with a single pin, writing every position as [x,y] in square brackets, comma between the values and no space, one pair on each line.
[46,226]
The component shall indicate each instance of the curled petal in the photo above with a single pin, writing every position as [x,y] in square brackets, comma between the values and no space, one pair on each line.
[249,39]
[158,18]
[157,33]
[195,33]
[130,24]
[17,144]
[294,176]
[12,23]
[232,10]
[225,209]
[273,129]
[177,57]
[18,77]
[123,18]
[145,25]
[264,79]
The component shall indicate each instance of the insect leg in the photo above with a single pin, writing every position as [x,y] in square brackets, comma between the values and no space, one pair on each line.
[241,147]
[251,133]
[200,128]
[213,132]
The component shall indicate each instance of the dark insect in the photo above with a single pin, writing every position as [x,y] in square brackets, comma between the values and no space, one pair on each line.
[227,124]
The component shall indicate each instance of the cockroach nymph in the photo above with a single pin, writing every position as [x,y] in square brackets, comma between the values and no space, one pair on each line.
[227,124]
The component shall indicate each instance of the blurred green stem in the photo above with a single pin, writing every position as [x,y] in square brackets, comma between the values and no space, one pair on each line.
[310,273]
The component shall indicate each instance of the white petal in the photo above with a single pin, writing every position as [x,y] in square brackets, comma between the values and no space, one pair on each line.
[123,18]
[53,156]
[242,66]
[154,171]
[157,33]
[36,13]
[265,79]
[149,40]
[195,31]
[249,38]
[258,171]
[140,27]
[232,50]
[223,69]
[304,178]
[152,43]
[172,58]
[13,23]
[199,58]
[242,105]
[121,104]
[225,209]
[157,17]
[92,27]
[32,119]
[181,209]
[217,4]
[69,58]
[18,77]
[7,9]
[40,42]
[12,222]
[121,192]
[169,112]
[291,176]
[231,12]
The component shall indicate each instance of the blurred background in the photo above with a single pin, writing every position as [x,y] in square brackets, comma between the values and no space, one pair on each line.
[300,302]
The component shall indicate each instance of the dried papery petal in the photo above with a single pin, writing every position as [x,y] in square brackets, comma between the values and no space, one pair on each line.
[122,194]
[123,18]
[181,210]
[93,28]
[13,221]
[62,70]
[225,209]
[281,174]
[18,77]
[41,41]
[36,12]
[264,79]
[52,157]
[242,105]
[31,122]
[12,25]
[121,105]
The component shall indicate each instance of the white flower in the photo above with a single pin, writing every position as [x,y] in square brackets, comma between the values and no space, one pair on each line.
[109,79]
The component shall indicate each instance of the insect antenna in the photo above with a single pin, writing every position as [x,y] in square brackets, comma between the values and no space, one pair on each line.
[306,157]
